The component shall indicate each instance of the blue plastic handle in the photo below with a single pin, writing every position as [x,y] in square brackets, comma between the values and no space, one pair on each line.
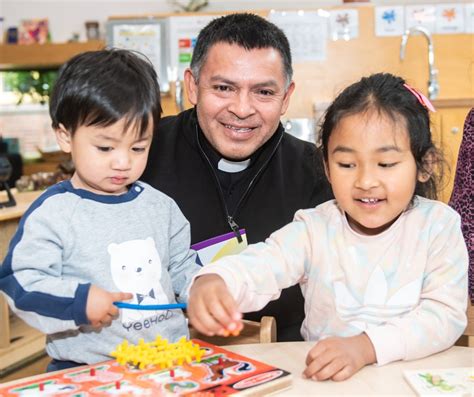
[169,306]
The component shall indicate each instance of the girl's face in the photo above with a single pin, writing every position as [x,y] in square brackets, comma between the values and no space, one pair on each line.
[371,169]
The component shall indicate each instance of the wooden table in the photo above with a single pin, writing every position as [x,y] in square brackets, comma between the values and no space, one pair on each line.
[18,342]
[371,380]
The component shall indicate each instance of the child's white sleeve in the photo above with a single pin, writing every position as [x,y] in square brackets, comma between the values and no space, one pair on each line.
[258,274]
[440,317]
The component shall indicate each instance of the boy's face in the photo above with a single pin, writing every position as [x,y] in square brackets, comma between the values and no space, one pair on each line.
[106,159]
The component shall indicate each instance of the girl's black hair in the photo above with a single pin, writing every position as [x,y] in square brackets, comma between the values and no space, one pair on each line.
[386,94]
[101,87]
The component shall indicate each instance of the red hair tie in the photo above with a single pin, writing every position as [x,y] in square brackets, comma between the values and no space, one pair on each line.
[421,98]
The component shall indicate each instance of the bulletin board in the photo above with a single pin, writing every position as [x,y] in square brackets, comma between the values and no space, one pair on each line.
[146,36]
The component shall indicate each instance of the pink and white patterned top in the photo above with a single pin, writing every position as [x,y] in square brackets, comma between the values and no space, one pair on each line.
[405,288]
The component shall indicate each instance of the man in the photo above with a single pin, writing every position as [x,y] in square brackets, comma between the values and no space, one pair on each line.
[228,162]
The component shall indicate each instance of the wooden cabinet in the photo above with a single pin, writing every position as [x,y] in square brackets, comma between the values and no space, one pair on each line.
[448,122]
[452,121]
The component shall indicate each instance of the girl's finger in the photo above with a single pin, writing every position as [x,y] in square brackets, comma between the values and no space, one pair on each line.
[315,352]
[202,319]
[231,308]
[318,362]
[224,312]
[329,370]
[345,373]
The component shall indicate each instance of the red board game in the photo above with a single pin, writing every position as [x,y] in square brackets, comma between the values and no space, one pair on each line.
[219,373]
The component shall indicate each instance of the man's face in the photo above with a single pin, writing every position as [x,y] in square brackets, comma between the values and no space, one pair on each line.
[240,96]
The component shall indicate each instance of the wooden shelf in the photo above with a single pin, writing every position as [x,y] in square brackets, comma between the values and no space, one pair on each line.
[42,56]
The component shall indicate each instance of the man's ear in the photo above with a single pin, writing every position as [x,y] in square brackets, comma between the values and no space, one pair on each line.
[63,137]
[427,166]
[191,86]
[286,99]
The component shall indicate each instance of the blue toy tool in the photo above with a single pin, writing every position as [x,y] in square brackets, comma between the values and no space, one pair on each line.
[169,306]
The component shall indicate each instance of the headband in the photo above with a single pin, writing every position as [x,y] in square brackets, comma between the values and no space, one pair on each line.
[421,98]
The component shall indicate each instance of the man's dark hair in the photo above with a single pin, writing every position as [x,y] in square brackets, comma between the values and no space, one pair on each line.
[246,30]
[101,87]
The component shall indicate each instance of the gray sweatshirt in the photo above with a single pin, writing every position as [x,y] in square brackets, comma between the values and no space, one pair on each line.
[71,238]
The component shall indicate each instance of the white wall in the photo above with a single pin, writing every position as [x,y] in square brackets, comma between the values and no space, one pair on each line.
[68,16]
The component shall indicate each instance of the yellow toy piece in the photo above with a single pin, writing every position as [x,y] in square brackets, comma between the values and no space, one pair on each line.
[159,352]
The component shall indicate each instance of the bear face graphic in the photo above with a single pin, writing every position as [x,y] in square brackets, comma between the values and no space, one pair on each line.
[136,267]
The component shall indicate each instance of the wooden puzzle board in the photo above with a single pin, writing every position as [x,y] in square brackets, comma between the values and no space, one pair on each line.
[220,373]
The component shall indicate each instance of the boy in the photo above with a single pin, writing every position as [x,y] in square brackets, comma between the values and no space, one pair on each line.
[94,240]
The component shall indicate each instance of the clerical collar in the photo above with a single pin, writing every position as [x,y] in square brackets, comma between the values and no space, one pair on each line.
[220,163]
[229,166]
[232,166]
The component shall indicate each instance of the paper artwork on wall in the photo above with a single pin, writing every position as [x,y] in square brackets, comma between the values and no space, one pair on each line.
[469,17]
[344,24]
[446,18]
[307,32]
[389,21]
[450,18]
[33,31]
[144,37]
[420,15]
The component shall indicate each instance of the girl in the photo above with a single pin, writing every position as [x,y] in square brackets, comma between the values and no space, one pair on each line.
[382,268]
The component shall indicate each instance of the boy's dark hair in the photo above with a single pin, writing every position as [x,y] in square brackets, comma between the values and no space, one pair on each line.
[386,94]
[101,87]
[246,30]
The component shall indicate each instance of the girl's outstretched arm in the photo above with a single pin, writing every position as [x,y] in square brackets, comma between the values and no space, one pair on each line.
[259,273]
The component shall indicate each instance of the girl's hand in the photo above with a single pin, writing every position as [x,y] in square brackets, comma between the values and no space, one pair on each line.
[211,308]
[100,308]
[339,358]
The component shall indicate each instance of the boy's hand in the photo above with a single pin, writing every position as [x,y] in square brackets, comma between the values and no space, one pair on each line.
[100,308]
[211,308]
[339,358]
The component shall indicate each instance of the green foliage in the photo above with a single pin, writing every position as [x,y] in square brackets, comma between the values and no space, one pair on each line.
[37,84]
